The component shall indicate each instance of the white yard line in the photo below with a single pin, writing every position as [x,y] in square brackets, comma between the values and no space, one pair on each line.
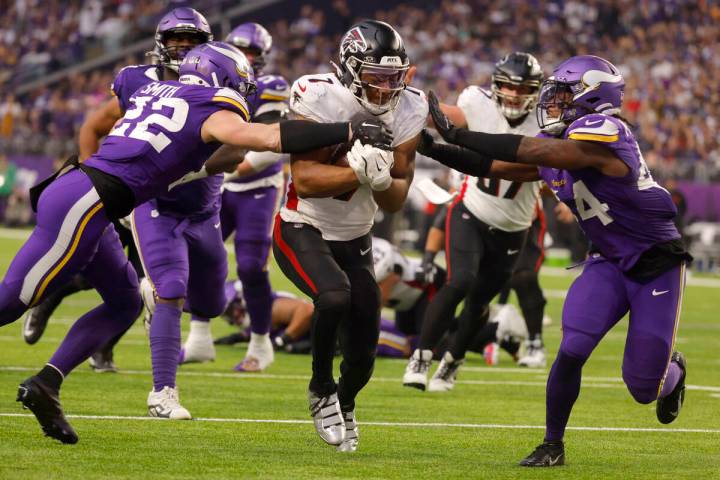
[590,382]
[387,424]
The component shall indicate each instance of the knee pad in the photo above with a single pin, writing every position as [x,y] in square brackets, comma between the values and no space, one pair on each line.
[577,344]
[642,390]
[252,263]
[171,288]
[333,301]
[11,308]
[461,279]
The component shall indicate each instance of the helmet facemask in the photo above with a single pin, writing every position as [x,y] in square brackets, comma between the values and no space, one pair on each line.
[518,99]
[376,86]
[555,107]
[181,41]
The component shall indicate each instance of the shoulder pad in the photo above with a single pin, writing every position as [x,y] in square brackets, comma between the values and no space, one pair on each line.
[232,100]
[410,116]
[473,96]
[308,96]
[596,127]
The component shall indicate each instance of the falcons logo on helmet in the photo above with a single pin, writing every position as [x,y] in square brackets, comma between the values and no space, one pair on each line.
[353,42]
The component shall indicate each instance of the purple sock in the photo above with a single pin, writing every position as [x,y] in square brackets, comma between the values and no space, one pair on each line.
[89,334]
[671,379]
[165,344]
[563,388]
[258,297]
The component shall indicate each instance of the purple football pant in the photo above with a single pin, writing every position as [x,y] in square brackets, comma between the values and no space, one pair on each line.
[250,215]
[597,300]
[73,235]
[182,259]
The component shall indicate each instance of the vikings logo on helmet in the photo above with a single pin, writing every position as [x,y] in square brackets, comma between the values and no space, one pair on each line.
[354,42]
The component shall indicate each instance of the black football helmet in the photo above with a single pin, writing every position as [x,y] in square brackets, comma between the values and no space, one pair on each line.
[373,64]
[518,69]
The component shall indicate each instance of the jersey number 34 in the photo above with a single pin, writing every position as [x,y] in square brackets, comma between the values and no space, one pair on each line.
[141,124]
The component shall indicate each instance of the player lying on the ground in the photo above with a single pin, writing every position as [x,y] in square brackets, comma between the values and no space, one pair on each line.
[589,157]
[291,318]
[171,130]
[321,238]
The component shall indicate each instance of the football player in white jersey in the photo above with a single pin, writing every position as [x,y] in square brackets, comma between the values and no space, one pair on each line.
[322,239]
[486,225]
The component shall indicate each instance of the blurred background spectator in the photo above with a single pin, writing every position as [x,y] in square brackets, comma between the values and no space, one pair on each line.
[668,50]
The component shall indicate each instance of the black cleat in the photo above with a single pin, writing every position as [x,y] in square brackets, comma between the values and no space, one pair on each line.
[102,362]
[44,403]
[548,454]
[668,408]
[35,322]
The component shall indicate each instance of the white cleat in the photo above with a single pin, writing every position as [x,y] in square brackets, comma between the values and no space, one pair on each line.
[147,293]
[352,434]
[444,378]
[327,417]
[199,345]
[534,354]
[510,323]
[417,369]
[259,356]
[166,404]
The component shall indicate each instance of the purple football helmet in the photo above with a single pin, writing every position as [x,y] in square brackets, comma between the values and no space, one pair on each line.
[254,39]
[183,20]
[218,64]
[272,95]
[578,86]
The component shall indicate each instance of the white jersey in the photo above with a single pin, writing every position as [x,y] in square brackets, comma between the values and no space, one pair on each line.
[323,98]
[502,204]
[387,259]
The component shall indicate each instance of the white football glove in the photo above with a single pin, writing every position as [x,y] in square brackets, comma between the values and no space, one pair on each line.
[357,161]
[371,165]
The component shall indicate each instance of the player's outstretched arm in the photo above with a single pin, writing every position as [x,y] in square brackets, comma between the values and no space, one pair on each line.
[393,199]
[546,152]
[472,163]
[291,136]
[97,124]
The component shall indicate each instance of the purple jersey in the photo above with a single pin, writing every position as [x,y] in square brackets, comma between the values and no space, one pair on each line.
[622,216]
[158,140]
[198,199]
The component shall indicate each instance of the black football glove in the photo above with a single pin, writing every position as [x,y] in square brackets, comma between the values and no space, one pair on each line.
[443,125]
[371,131]
[426,144]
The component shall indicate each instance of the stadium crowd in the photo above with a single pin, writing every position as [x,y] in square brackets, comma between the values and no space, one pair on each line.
[668,52]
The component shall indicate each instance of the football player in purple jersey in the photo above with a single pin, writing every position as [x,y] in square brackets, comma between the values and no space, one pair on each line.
[170,129]
[251,197]
[588,156]
[177,32]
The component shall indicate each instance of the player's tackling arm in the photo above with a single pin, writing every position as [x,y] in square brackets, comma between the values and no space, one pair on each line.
[393,199]
[97,124]
[291,136]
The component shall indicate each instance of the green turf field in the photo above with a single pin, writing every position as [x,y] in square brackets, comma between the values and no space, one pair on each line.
[257,426]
